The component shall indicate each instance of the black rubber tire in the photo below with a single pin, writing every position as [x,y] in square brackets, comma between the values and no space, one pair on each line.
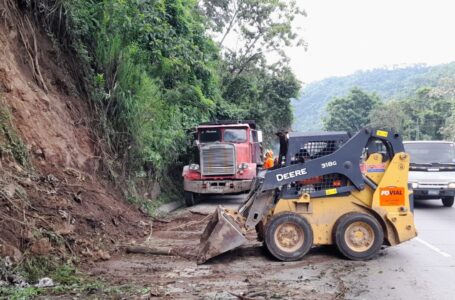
[190,199]
[342,225]
[260,231]
[448,201]
[288,217]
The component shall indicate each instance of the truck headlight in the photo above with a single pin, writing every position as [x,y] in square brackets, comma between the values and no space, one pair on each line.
[452,185]
[194,167]
[414,185]
[243,166]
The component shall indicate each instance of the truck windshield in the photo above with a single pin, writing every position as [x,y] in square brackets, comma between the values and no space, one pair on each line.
[209,135]
[428,153]
[234,135]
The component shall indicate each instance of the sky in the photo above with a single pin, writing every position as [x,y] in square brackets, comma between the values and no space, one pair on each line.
[344,36]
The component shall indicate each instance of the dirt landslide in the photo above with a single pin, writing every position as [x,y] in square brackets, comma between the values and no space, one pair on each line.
[245,273]
[54,199]
[56,202]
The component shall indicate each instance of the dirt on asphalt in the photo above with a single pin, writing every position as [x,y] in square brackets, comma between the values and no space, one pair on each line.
[245,273]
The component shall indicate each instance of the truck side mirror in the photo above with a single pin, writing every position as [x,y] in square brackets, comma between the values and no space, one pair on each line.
[259,136]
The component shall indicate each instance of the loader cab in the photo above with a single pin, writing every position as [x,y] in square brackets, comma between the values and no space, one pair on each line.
[377,146]
[298,147]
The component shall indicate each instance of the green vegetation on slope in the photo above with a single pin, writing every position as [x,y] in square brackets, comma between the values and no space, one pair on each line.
[10,142]
[389,84]
[152,72]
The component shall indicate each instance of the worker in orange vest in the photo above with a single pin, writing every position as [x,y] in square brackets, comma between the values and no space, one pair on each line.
[269,161]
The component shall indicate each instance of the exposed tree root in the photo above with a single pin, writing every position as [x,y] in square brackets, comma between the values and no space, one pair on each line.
[28,39]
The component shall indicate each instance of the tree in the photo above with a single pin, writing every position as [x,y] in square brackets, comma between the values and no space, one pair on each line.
[448,131]
[424,116]
[352,112]
[427,114]
[444,89]
[252,87]
[390,115]
[259,27]
[262,95]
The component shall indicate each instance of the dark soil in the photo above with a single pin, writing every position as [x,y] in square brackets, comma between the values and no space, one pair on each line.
[62,193]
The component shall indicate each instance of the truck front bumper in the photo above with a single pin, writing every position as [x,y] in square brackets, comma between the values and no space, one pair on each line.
[433,193]
[217,186]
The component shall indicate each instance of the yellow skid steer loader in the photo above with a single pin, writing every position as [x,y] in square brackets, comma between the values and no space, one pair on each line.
[328,188]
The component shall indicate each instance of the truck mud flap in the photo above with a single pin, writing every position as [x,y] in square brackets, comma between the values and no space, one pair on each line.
[224,232]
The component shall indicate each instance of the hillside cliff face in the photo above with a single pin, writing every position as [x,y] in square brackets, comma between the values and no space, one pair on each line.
[387,83]
[53,196]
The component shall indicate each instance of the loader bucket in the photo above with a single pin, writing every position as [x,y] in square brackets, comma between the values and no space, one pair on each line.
[224,232]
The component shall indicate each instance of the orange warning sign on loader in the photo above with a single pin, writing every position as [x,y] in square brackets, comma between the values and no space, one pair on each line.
[391,196]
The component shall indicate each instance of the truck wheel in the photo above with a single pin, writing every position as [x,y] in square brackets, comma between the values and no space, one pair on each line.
[288,236]
[189,199]
[447,201]
[358,236]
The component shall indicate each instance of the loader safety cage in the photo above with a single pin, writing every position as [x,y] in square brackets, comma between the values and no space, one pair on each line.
[298,148]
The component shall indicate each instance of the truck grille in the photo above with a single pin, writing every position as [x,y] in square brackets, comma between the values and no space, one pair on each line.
[218,159]
[433,185]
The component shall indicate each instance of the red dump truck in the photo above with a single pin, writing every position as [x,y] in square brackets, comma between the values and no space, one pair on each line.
[227,156]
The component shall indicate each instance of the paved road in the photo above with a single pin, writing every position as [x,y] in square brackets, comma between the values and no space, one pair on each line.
[423,268]
[209,205]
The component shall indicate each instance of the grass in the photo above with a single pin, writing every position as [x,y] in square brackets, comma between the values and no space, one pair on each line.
[147,205]
[34,268]
[15,293]
[83,290]
[68,281]
[10,142]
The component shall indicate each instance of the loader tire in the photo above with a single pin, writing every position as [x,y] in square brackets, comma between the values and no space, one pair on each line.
[448,201]
[288,236]
[190,199]
[358,236]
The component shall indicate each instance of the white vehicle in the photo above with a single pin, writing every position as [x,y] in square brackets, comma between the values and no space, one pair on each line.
[432,170]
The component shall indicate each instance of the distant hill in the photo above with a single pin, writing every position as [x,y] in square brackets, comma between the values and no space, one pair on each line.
[394,83]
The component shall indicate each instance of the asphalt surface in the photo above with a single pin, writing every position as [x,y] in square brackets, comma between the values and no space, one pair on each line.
[423,268]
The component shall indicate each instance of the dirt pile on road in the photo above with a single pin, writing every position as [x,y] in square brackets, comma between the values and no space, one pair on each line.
[53,198]
[245,273]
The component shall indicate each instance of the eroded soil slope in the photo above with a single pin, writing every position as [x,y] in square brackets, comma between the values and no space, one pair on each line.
[53,198]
